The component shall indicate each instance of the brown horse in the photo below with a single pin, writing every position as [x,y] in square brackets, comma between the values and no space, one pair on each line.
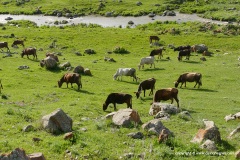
[70,78]
[29,51]
[155,38]
[4,45]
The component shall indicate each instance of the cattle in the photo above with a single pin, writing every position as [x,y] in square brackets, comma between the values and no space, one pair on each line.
[179,48]
[29,51]
[18,42]
[157,52]
[186,52]
[4,45]
[166,94]
[151,38]
[1,87]
[125,72]
[118,98]
[52,55]
[70,78]
[145,85]
[189,77]
[146,60]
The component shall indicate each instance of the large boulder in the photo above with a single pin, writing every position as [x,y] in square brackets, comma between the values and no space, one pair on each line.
[15,154]
[48,62]
[200,48]
[57,122]
[79,69]
[155,127]
[210,132]
[125,117]
[165,107]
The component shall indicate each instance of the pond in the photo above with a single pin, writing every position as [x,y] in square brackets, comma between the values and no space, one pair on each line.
[108,21]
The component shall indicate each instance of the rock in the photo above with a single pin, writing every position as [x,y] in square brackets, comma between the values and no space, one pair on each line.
[237,154]
[209,145]
[155,127]
[68,135]
[79,69]
[130,22]
[36,156]
[64,65]
[28,128]
[110,115]
[8,18]
[168,108]
[203,59]
[23,67]
[169,13]
[125,117]
[36,139]
[185,115]
[87,72]
[232,116]
[162,115]
[234,132]
[151,15]
[57,122]
[49,63]
[210,132]
[89,51]
[139,3]
[163,136]
[15,154]
[138,135]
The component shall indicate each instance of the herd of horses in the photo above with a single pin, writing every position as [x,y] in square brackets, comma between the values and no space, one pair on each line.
[148,84]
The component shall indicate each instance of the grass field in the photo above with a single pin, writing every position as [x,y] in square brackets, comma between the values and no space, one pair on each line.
[29,94]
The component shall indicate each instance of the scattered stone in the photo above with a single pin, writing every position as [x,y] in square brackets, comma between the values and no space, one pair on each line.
[15,154]
[210,132]
[87,72]
[35,139]
[79,69]
[169,13]
[232,116]
[203,59]
[125,117]
[65,65]
[89,51]
[168,108]
[237,154]
[162,115]
[48,62]
[28,128]
[110,115]
[68,135]
[185,115]
[209,145]
[109,59]
[57,122]
[139,3]
[155,127]
[23,67]
[234,132]
[138,135]
[131,22]
[163,136]
[36,156]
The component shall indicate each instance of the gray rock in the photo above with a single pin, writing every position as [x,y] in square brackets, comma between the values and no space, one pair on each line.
[155,127]
[168,108]
[138,135]
[209,145]
[28,128]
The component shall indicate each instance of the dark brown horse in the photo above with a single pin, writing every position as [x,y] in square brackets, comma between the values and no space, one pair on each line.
[18,42]
[155,38]
[4,45]
[157,52]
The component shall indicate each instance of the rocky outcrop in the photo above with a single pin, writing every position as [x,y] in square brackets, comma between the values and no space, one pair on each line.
[126,117]
[210,132]
[57,122]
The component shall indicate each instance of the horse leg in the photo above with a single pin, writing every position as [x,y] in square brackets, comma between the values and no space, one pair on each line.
[176,99]
[115,108]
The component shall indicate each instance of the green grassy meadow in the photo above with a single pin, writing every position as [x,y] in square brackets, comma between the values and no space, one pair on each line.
[29,94]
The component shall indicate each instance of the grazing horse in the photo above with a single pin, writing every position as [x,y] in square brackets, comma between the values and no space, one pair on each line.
[157,52]
[1,87]
[71,78]
[145,85]
[4,45]
[17,42]
[118,98]
[29,51]
[151,38]
[189,77]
